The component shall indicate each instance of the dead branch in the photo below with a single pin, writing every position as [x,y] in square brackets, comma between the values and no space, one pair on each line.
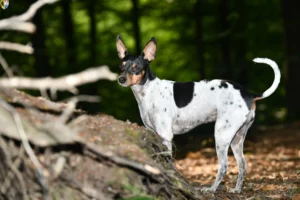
[32,10]
[5,66]
[19,23]
[66,83]
[18,97]
[16,47]
[14,169]
[28,149]
[103,153]
[26,27]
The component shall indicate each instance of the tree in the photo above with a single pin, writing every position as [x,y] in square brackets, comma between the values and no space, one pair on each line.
[198,14]
[69,32]
[226,71]
[93,32]
[136,27]
[41,63]
[291,16]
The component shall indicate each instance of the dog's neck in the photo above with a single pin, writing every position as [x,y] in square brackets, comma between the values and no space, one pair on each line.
[139,90]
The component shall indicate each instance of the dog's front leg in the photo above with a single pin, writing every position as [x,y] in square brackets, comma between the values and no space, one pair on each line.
[168,143]
[165,132]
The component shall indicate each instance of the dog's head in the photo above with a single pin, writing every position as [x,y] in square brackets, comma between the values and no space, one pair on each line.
[135,69]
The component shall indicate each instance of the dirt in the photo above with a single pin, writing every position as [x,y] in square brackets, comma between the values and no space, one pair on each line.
[72,171]
[273,157]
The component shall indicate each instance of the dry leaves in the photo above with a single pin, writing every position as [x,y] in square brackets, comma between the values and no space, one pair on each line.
[273,159]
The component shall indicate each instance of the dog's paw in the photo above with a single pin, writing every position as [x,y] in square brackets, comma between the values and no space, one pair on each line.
[235,190]
[208,190]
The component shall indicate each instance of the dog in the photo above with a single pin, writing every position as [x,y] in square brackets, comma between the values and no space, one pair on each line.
[170,108]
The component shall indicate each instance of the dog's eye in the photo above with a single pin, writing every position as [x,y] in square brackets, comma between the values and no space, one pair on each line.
[138,73]
[122,67]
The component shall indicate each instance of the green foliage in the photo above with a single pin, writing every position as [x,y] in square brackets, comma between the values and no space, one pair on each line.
[255,30]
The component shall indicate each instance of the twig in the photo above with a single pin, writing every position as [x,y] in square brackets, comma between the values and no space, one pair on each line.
[67,83]
[5,66]
[71,105]
[14,169]
[86,190]
[16,47]
[28,148]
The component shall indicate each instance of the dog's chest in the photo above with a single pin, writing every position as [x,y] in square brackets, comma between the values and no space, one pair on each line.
[157,104]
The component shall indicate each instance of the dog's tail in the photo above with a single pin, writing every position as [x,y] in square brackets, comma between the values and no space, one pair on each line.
[276,81]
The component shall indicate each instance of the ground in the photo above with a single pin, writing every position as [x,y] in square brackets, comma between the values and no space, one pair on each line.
[84,156]
[273,157]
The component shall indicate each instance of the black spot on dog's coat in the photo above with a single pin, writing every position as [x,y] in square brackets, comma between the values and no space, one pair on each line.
[247,96]
[183,93]
[223,85]
[212,88]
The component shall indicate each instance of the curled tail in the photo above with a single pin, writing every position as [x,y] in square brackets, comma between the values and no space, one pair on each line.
[276,81]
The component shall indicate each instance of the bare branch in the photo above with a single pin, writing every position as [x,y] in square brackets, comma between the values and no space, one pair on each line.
[26,27]
[16,47]
[14,169]
[27,147]
[5,66]
[66,83]
[32,10]
[19,23]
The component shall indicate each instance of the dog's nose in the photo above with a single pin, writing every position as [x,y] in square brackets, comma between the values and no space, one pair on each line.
[122,80]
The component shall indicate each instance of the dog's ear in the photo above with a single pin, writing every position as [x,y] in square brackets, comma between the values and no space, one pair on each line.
[150,50]
[121,48]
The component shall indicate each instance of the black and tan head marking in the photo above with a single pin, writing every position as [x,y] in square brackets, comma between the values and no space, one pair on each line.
[135,69]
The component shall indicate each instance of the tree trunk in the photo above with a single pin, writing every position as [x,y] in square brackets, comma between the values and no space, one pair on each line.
[69,32]
[226,71]
[41,63]
[136,27]
[198,13]
[93,33]
[241,46]
[291,16]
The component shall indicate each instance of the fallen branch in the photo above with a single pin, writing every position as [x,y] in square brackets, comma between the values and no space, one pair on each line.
[14,170]
[28,149]
[19,23]
[66,83]
[26,27]
[5,66]
[16,47]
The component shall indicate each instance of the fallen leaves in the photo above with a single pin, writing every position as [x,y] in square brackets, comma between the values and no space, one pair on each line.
[273,161]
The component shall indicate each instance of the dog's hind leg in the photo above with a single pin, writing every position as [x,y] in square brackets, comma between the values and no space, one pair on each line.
[225,129]
[237,145]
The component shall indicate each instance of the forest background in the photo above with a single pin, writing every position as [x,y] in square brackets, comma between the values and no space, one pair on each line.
[196,40]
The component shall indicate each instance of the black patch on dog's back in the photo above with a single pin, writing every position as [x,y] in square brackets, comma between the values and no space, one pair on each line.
[247,96]
[183,93]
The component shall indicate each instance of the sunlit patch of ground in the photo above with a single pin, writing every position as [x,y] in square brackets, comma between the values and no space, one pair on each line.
[273,158]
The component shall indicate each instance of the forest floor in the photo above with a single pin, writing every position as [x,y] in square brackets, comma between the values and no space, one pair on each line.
[84,156]
[273,158]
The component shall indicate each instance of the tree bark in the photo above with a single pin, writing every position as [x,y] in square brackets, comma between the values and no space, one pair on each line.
[69,32]
[136,27]
[291,16]
[226,71]
[198,13]
[41,63]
